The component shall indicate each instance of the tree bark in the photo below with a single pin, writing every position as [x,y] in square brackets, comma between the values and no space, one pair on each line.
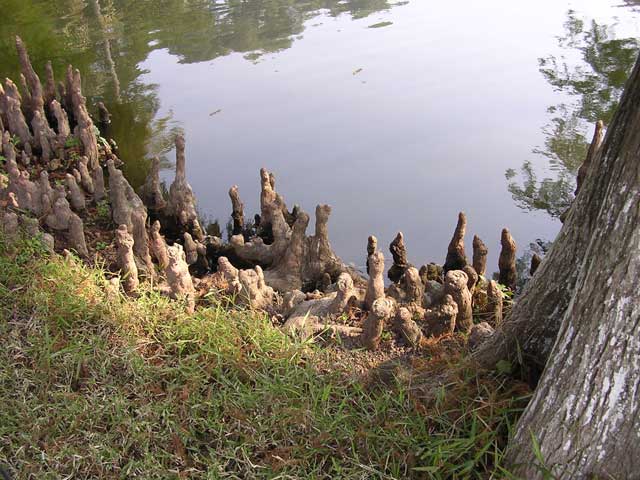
[585,412]
[529,333]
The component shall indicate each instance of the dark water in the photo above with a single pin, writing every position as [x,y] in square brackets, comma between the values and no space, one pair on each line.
[398,114]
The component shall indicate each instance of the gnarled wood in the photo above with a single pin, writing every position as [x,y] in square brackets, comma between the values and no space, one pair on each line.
[126,260]
[182,203]
[49,85]
[237,213]
[85,129]
[455,284]
[178,277]
[375,286]
[151,193]
[380,313]
[400,262]
[456,256]
[480,252]
[507,261]
[158,246]
[62,120]
[16,123]
[32,81]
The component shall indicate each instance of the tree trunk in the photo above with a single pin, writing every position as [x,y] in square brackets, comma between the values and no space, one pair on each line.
[528,335]
[585,412]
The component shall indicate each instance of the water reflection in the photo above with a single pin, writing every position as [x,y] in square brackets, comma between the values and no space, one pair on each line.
[398,127]
[595,85]
[202,30]
[108,40]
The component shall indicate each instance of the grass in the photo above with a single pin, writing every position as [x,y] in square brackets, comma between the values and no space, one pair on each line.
[97,385]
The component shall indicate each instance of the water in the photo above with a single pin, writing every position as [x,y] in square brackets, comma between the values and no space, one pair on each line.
[398,114]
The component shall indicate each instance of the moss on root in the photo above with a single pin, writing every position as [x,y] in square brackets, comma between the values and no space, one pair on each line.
[97,385]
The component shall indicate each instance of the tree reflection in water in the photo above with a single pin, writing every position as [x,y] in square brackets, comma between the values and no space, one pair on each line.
[108,40]
[596,83]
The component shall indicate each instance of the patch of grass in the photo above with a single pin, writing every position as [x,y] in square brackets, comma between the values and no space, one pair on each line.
[71,142]
[103,210]
[97,385]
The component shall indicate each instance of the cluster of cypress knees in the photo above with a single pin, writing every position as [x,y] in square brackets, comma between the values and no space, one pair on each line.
[58,168]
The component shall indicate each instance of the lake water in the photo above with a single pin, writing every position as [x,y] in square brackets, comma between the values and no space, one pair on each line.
[398,114]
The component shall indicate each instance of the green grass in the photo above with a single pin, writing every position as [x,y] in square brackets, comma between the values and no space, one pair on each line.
[97,385]
[72,142]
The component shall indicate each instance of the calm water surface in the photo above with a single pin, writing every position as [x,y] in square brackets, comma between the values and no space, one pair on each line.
[398,114]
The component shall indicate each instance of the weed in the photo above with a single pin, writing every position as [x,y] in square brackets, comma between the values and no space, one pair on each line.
[104,142]
[101,246]
[507,293]
[103,210]
[71,142]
